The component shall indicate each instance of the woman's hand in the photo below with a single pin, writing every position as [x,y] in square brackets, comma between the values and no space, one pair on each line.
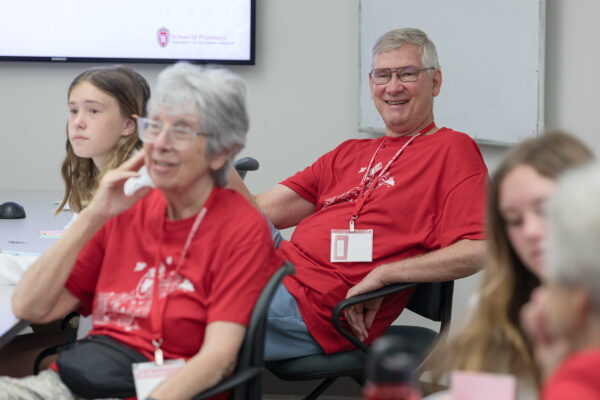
[548,349]
[109,199]
[214,362]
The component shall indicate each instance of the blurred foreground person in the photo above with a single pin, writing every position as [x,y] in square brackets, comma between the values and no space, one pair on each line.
[491,338]
[563,317]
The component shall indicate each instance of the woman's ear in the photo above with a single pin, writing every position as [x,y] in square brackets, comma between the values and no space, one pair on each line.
[128,126]
[218,161]
[582,301]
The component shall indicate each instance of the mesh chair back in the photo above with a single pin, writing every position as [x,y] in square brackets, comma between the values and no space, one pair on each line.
[433,300]
[252,350]
[246,380]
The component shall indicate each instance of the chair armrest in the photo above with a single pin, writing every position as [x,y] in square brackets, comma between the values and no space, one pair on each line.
[230,382]
[244,165]
[361,298]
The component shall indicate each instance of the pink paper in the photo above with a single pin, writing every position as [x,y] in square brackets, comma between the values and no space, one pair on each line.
[50,234]
[477,385]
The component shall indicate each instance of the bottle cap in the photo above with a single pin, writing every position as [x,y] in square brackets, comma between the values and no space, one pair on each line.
[390,361]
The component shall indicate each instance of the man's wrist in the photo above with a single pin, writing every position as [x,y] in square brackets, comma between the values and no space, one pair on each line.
[384,274]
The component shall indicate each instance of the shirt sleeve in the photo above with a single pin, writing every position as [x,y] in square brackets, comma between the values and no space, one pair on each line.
[83,278]
[306,182]
[569,389]
[575,378]
[463,215]
[242,275]
[312,181]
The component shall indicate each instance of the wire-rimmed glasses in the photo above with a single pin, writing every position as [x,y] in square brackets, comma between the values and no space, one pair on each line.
[178,136]
[381,76]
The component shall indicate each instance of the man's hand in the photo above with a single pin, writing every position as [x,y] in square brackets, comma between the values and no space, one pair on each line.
[360,317]
[458,260]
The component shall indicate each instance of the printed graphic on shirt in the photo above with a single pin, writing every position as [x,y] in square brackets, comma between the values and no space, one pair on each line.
[127,308]
[352,194]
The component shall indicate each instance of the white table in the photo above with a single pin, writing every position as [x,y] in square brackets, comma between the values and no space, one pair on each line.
[23,236]
[10,326]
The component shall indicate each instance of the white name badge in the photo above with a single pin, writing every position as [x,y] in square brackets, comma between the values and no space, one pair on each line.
[351,246]
[148,375]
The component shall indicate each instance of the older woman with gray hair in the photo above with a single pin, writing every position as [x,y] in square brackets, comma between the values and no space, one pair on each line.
[563,317]
[170,273]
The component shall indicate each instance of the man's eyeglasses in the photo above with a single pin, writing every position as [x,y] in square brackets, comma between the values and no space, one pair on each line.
[177,136]
[381,76]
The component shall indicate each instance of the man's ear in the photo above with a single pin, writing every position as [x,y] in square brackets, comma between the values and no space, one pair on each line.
[437,82]
[218,161]
[371,86]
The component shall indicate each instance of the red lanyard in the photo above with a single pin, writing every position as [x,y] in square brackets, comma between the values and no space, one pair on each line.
[362,196]
[158,307]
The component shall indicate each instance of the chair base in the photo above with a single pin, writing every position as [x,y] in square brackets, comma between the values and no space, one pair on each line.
[342,389]
[346,364]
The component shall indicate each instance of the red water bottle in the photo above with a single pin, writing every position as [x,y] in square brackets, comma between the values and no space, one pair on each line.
[390,372]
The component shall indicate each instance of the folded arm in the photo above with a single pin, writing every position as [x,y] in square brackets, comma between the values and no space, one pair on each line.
[458,260]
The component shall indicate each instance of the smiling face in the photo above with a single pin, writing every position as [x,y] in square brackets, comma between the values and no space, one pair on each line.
[523,194]
[406,107]
[95,123]
[180,172]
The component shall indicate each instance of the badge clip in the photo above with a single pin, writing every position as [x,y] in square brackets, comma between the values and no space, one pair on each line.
[352,223]
[158,354]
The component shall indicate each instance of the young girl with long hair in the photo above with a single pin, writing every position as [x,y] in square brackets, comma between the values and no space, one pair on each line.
[101,131]
[101,134]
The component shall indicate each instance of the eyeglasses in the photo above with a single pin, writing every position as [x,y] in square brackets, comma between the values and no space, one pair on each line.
[381,76]
[177,136]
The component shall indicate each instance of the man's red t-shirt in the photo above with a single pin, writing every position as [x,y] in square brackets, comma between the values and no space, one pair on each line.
[431,196]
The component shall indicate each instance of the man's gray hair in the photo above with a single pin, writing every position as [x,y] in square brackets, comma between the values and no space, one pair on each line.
[574,231]
[399,37]
[216,96]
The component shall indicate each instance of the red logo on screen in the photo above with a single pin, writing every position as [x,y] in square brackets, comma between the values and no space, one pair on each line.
[162,35]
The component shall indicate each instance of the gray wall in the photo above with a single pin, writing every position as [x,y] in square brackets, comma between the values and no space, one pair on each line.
[303,94]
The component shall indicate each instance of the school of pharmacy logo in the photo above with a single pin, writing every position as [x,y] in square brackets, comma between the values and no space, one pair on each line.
[162,35]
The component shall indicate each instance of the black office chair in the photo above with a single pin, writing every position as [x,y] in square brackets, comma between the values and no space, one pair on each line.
[246,380]
[430,300]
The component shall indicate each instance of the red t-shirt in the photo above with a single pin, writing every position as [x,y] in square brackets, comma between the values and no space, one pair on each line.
[431,196]
[575,378]
[229,261]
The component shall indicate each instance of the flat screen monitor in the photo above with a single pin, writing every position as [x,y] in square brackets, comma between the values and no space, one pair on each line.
[154,31]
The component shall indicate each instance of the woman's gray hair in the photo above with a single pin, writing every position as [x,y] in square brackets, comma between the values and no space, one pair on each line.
[574,231]
[216,96]
[399,37]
